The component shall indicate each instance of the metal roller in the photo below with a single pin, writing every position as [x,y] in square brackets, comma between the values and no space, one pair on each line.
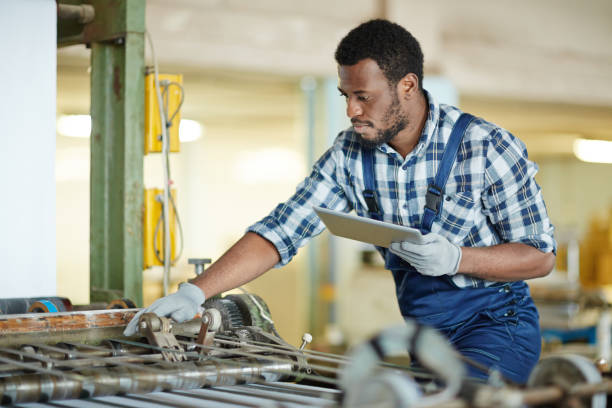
[23,305]
[87,383]
[565,371]
[122,303]
[46,306]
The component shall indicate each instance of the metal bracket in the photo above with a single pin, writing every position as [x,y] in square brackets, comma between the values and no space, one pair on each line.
[211,323]
[157,331]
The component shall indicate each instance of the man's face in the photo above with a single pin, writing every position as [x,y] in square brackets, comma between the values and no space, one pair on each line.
[371,103]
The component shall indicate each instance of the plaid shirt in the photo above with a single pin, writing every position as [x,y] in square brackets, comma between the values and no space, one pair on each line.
[491,196]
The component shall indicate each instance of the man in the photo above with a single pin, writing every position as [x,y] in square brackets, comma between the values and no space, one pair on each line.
[481,212]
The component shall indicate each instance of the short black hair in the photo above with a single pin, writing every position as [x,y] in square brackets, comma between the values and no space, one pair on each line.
[394,49]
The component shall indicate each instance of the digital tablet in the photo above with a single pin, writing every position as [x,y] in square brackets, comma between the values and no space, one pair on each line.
[366,229]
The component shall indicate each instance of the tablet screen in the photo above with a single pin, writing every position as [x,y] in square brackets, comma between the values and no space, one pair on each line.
[366,229]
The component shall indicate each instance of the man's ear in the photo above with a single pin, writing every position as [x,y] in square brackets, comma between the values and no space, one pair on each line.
[408,86]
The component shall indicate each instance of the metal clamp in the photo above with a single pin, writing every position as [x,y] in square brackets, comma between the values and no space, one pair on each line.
[157,330]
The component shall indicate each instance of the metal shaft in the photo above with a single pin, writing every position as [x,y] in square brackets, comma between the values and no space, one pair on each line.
[123,380]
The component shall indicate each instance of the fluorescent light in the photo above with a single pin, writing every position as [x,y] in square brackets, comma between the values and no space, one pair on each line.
[80,126]
[74,125]
[593,151]
[189,130]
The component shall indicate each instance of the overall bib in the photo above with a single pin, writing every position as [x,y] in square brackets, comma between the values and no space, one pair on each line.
[496,326]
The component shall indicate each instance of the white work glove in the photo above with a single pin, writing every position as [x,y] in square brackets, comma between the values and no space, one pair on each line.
[434,256]
[180,306]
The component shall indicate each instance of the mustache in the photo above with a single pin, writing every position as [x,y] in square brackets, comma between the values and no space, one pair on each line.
[357,122]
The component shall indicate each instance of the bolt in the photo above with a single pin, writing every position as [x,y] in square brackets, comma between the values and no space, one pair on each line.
[199,264]
[602,364]
[306,339]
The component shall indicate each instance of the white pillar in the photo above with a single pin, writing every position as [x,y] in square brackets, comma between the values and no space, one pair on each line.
[27,147]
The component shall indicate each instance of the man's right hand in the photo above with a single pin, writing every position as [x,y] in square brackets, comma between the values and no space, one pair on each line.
[180,306]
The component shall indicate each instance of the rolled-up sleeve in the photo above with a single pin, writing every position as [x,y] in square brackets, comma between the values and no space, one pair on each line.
[292,223]
[512,199]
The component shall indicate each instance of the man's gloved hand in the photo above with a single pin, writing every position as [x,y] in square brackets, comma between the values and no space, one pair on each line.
[180,306]
[434,256]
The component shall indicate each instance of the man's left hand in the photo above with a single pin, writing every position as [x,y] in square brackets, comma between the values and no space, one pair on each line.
[433,256]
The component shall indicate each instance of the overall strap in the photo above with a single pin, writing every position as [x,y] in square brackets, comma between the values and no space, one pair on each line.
[435,191]
[370,184]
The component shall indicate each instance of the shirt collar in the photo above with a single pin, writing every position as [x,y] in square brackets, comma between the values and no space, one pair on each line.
[431,124]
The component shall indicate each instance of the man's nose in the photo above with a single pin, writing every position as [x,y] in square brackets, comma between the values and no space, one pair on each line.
[353,108]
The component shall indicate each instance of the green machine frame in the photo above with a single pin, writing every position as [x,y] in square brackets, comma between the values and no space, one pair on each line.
[115,36]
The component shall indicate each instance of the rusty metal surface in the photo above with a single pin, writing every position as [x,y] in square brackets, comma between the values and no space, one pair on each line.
[83,326]
[112,19]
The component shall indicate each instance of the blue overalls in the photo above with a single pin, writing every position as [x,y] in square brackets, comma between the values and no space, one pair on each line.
[496,326]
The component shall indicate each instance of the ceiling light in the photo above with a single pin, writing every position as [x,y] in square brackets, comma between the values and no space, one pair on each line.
[74,125]
[80,126]
[593,151]
[189,130]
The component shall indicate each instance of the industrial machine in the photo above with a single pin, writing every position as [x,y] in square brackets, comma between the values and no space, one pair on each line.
[233,356]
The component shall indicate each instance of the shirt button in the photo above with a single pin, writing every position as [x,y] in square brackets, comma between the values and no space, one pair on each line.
[405,166]
[405,205]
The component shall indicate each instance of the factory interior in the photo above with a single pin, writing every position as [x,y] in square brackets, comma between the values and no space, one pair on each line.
[250,98]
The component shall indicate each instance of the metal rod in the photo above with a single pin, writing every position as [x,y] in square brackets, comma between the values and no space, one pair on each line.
[243,353]
[310,391]
[267,357]
[334,358]
[149,357]
[346,360]
[281,397]
[553,393]
[40,369]
[219,398]
[142,367]
[329,357]
[271,349]
[119,380]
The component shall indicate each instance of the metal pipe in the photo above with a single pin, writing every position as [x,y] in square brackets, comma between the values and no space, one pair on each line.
[123,380]
[126,364]
[83,14]
[267,357]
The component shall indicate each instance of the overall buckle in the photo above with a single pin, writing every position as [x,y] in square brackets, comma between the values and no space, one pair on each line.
[433,198]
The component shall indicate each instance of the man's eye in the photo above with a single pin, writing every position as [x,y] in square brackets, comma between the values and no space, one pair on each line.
[363,98]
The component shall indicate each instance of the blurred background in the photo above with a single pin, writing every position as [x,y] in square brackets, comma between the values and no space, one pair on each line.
[259,83]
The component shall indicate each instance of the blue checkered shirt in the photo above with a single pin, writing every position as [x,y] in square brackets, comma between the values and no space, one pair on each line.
[491,196]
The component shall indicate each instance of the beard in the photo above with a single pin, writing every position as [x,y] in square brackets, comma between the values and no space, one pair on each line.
[398,122]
